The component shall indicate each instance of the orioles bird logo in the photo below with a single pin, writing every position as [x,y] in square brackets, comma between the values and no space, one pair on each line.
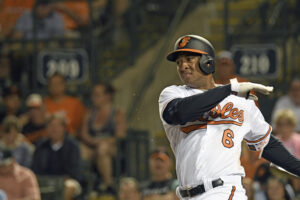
[183,42]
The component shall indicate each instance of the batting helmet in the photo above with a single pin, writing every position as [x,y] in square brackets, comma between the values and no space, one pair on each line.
[198,45]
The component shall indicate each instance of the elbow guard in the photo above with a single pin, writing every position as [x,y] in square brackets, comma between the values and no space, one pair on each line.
[171,114]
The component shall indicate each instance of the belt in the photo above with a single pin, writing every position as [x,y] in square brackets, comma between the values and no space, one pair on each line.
[191,192]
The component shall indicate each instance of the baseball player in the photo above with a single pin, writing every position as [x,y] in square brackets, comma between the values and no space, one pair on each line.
[206,123]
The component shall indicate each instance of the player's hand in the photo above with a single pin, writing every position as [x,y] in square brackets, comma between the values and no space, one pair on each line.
[243,89]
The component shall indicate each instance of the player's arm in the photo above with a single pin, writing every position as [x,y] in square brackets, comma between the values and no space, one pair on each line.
[187,109]
[182,110]
[276,153]
[260,139]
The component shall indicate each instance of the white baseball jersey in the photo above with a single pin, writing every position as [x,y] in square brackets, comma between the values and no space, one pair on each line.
[210,147]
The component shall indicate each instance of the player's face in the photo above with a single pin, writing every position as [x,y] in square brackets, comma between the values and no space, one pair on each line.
[188,69]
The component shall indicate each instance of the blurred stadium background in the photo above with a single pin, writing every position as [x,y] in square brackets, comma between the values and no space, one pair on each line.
[125,43]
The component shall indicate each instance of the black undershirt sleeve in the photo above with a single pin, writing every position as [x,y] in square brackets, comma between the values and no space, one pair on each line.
[276,153]
[188,109]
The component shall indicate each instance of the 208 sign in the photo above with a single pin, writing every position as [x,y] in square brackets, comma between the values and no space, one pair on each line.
[256,60]
[73,64]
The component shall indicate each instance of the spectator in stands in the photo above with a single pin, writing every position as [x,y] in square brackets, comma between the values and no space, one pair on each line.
[290,101]
[248,185]
[59,102]
[276,189]
[16,182]
[162,185]
[12,102]
[102,125]
[285,123]
[13,139]
[35,127]
[10,11]
[129,189]
[225,68]
[42,22]
[59,155]
[75,13]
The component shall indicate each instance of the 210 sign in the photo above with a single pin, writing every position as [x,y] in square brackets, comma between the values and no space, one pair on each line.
[256,60]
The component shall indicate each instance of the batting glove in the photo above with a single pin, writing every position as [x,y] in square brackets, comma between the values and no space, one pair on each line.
[243,89]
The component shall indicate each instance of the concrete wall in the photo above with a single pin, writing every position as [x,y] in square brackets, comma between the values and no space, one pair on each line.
[146,115]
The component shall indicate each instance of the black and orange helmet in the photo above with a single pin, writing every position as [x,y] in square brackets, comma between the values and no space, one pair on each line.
[197,45]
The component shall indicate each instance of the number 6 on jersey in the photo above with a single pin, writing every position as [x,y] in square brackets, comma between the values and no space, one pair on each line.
[227,138]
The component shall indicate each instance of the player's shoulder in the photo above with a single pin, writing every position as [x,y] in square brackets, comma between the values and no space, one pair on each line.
[171,92]
[174,89]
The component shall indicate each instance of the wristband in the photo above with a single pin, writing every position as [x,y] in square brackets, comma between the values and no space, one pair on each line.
[234,85]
